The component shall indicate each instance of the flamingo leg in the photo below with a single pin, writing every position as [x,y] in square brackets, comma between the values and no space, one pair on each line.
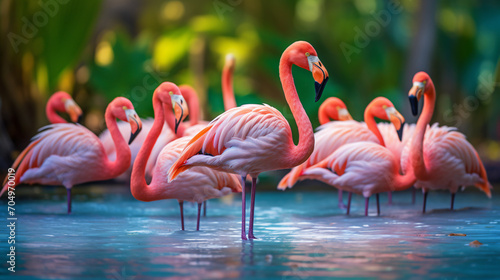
[413,195]
[366,206]
[204,208]
[425,200]
[378,205]
[452,200]
[341,202]
[181,206]
[252,207]
[68,192]
[243,209]
[349,203]
[389,198]
[198,221]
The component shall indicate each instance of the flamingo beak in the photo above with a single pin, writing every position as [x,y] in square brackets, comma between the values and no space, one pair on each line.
[181,110]
[344,115]
[397,120]
[414,96]
[320,75]
[135,124]
[74,111]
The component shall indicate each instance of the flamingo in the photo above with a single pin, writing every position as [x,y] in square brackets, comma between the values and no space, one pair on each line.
[333,135]
[251,139]
[441,157]
[62,102]
[197,185]
[363,168]
[69,154]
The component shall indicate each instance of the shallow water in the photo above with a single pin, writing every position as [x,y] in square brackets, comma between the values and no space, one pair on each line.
[302,235]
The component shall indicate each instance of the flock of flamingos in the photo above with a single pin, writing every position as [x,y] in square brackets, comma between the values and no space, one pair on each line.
[198,160]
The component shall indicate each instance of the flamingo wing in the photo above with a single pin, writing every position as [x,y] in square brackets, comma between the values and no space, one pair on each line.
[56,155]
[450,160]
[243,139]
[198,184]
[361,167]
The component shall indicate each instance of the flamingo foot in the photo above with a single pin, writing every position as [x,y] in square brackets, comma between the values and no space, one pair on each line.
[425,201]
[378,205]
[452,201]
[366,206]
[68,195]
[198,221]
[389,198]
[252,207]
[349,203]
[181,206]
[204,208]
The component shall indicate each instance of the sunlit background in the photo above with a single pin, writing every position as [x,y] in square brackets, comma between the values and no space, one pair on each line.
[97,50]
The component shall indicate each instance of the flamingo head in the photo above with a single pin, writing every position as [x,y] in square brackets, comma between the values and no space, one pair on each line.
[335,109]
[122,109]
[421,82]
[170,95]
[63,102]
[383,109]
[230,62]
[302,54]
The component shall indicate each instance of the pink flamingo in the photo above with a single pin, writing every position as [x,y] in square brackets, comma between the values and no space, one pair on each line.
[363,168]
[441,157]
[251,139]
[333,135]
[70,154]
[197,185]
[62,102]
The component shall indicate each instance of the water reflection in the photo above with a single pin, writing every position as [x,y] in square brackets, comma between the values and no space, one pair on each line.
[301,236]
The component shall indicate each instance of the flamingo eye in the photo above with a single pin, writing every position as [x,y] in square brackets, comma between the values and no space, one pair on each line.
[308,54]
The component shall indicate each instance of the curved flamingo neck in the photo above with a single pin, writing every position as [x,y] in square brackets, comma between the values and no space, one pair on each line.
[138,185]
[403,182]
[50,111]
[193,104]
[123,154]
[227,88]
[324,113]
[372,125]
[417,155]
[303,150]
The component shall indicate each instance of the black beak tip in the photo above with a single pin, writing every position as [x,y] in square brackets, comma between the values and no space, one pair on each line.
[134,135]
[400,132]
[319,89]
[414,105]
[176,125]
[80,119]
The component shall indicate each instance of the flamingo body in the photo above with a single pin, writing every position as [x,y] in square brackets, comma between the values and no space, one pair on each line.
[364,168]
[244,140]
[197,185]
[450,160]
